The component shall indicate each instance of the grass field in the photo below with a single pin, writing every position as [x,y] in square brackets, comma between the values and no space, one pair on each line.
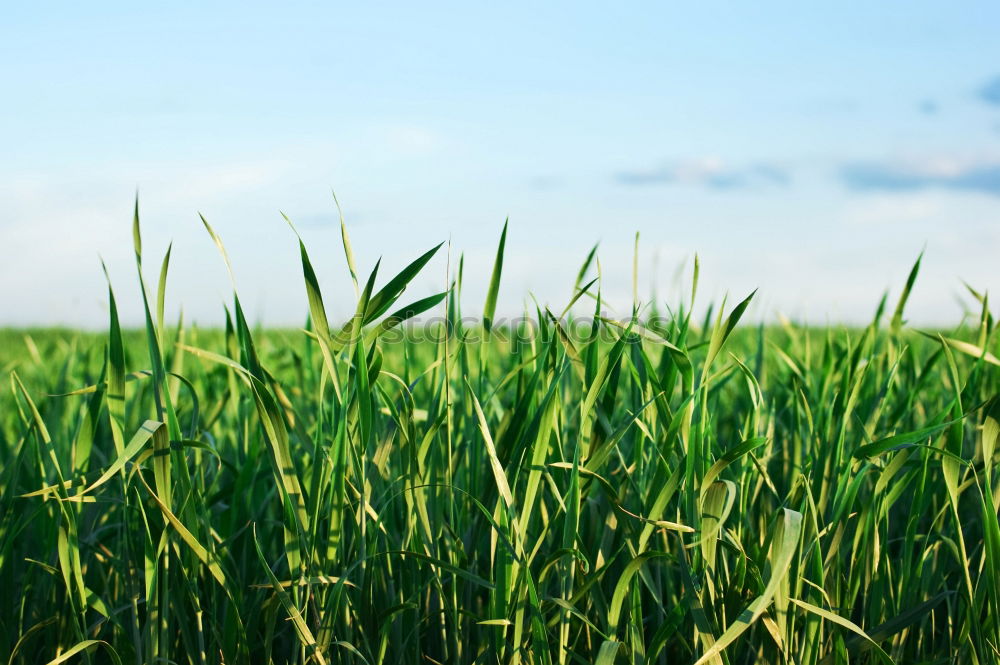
[646,489]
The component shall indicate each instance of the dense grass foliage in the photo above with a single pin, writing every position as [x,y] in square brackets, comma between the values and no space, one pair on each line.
[640,489]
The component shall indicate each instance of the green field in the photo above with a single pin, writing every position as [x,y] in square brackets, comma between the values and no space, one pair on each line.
[652,488]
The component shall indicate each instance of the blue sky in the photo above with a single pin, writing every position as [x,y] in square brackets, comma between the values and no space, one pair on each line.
[809,151]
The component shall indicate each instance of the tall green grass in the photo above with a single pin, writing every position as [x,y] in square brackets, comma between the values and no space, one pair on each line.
[648,489]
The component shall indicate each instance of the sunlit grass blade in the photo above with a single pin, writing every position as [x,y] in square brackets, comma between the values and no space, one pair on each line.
[897,316]
[490,307]
[783,548]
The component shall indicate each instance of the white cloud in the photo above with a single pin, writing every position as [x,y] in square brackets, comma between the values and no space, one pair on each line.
[975,173]
[708,171]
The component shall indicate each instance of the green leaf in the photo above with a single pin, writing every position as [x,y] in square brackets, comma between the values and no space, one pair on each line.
[387,295]
[413,309]
[498,474]
[966,348]
[489,309]
[607,653]
[722,332]
[85,646]
[784,544]
[299,623]
[900,440]
[844,623]
[346,242]
[897,316]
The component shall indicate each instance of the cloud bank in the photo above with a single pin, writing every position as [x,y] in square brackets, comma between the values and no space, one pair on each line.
[979,176]
[707,172]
